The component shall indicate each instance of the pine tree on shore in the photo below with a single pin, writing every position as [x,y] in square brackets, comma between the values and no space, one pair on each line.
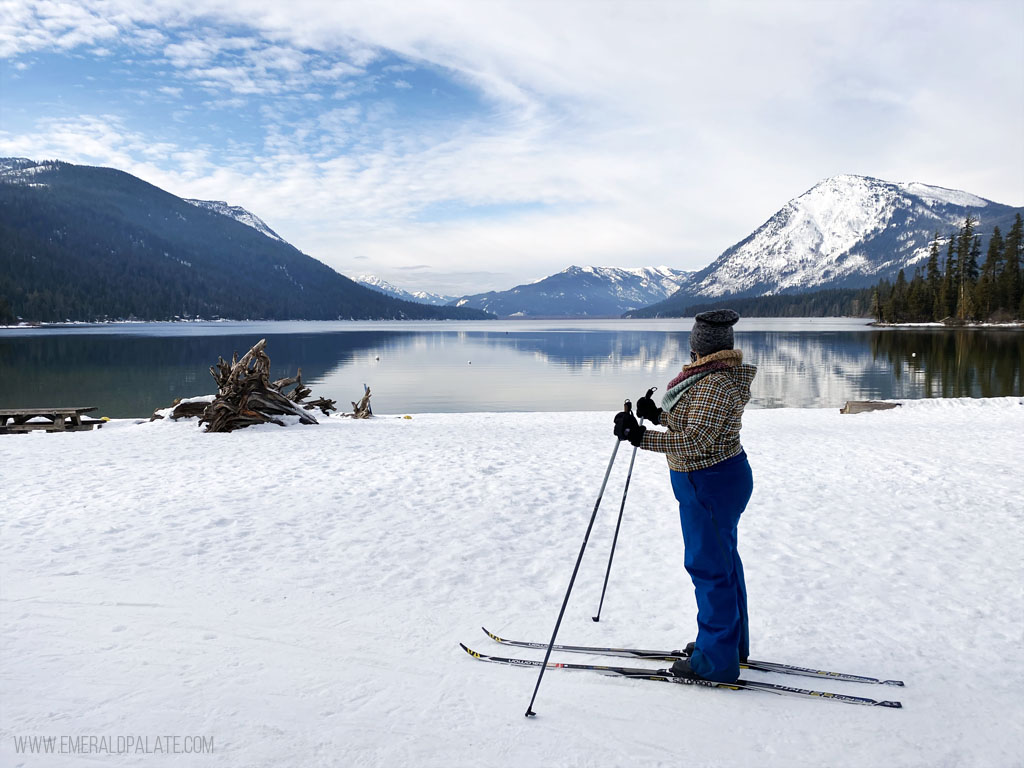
[947,294]
[987,295]
[6,313]
[967,270]
[1010,283]
[896,307]
[876,306]
[963,290]
[934,279]
[918,303]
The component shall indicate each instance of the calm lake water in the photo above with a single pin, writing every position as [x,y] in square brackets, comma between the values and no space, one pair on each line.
[130,370]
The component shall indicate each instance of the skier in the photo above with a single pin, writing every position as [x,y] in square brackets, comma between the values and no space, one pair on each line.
[711,479]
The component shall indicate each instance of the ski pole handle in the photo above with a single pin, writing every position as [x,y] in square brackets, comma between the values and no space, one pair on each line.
[647,397]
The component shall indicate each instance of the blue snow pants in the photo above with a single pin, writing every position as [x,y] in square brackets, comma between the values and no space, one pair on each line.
[710,504]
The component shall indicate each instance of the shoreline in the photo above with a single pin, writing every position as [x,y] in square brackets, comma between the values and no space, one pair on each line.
[118,423]
[937,404]
[1015,326]
[79,324]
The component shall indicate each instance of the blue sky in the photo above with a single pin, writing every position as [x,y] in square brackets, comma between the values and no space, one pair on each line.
[236,110]
[468,145]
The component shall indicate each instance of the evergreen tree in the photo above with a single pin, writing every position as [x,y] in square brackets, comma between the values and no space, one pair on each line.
[971,273]
[829,302]
[967,272]
[948,290]
[934,280]
[918,304]
[896,307]
[1010,281]
[6,313]
[987,293]
[876,306]
[971,268]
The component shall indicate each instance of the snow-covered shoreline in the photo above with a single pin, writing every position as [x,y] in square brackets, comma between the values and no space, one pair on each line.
[299,594]
[946,326]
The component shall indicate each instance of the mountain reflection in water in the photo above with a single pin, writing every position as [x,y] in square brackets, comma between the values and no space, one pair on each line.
[514,367]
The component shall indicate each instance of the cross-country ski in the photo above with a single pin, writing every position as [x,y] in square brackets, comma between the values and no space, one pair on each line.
[671,656]
[666,676]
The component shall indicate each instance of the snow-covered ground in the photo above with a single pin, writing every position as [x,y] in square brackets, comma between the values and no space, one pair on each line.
[298,594]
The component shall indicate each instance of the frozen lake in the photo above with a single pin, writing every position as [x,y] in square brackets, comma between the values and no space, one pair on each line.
[128,370]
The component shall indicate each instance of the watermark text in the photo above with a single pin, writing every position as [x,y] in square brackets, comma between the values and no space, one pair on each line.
[113,745]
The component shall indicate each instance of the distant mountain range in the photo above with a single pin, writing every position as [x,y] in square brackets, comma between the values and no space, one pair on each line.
[85,243]
[82,243]
[845,232]
[582,292]
[389,289]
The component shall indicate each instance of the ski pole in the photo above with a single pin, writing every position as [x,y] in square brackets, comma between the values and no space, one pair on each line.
[622,508]
[627,407]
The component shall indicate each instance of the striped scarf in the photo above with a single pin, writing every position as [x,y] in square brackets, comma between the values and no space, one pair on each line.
[691,374]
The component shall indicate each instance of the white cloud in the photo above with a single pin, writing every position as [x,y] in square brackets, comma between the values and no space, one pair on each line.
[91,139]
[146,40]
[193,53]
[235,102]
[28,27]
[337,70]
[402,84]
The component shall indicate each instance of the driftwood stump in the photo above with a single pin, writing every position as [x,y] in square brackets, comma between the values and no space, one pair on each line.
[361,410]
[246,396]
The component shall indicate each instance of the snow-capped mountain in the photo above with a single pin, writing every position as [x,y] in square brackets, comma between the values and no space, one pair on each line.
[238,213]
[390,289]
[582,292]
[845,231]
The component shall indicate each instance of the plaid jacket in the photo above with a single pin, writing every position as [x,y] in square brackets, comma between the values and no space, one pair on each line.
[704,426]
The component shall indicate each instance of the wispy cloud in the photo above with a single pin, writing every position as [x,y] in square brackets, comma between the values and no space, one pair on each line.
[32,26]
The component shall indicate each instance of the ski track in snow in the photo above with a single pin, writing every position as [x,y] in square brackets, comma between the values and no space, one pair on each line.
[299,594]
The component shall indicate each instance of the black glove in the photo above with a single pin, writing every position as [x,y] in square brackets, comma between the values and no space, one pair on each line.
[626,428]
[646,409]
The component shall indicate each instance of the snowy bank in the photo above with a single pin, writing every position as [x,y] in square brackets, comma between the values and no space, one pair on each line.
[156,580]
[951,326]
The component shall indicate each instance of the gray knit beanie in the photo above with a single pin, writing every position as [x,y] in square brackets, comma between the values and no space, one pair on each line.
[712,331]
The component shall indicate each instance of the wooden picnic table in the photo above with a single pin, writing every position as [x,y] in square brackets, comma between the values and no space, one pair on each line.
[49,419]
